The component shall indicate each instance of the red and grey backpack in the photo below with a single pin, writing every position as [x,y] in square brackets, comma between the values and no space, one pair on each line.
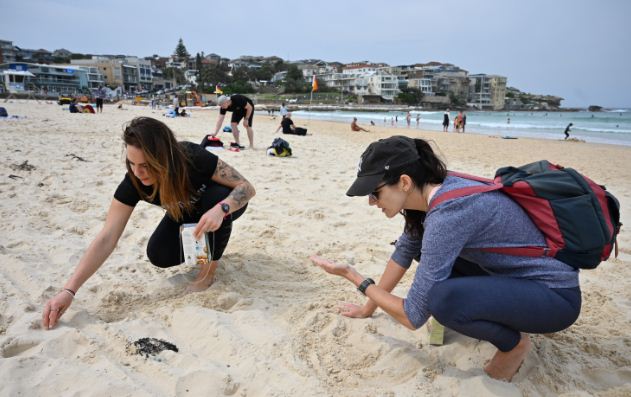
[579,218]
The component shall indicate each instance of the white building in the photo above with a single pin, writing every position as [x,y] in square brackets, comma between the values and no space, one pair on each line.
[96,79]
[363,80]
[143,70]
[424,84]
[487,91]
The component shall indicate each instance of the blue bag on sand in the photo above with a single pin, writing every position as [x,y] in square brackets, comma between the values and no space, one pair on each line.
[227,129]
[3,112]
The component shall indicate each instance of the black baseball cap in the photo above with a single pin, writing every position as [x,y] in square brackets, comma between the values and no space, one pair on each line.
[378,158]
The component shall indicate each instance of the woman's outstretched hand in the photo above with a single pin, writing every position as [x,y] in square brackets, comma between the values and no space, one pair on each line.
[353,311]
[330,267]
[55,308]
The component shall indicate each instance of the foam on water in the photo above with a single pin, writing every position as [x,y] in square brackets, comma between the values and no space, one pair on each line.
[611,127]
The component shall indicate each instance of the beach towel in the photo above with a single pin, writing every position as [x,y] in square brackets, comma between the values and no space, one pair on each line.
[579,218]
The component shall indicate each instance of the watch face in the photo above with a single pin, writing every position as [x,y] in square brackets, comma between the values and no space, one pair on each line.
[225,207]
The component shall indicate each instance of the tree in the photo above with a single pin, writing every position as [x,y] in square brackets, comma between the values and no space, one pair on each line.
[198,62]
[279,66]
[457,100]
[211,75]
[294,82]
[265,72]
[181,54]
[238,87]
[242,73]
[177,74]
[410,96]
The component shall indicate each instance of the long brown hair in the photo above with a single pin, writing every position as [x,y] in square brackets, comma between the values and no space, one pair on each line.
[166,161]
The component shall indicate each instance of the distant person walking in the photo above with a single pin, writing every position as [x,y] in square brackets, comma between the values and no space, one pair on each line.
[408,119]
[464,121]
[446,121]
[100,96]
[241,107]
[176,105]
[418,119]
[567,130]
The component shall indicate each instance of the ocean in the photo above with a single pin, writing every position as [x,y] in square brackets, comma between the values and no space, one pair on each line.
[609,127]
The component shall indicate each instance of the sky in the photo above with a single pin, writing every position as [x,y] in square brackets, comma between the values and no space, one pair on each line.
[579,50]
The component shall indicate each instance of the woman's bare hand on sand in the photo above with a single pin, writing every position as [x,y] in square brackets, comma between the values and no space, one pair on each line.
[353,310]
[55,308]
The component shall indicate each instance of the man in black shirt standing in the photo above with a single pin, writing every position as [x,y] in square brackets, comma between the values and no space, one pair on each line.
[241,107]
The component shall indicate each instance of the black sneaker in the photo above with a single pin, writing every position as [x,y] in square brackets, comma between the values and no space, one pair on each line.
[236,145]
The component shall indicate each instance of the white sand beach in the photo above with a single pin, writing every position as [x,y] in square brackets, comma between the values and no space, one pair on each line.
[269,325]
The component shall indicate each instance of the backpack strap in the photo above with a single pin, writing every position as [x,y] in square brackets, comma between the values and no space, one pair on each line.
[470,177]
[521,251]
[489,187]
[465,191]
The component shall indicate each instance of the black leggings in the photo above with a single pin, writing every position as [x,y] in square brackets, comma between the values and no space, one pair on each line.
[165,245]
[496,309]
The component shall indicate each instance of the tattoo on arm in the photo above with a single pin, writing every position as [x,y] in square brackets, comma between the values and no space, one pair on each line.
[224,171]
[240,194]
[243,191]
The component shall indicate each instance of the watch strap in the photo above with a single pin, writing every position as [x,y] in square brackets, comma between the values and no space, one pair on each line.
[364,284]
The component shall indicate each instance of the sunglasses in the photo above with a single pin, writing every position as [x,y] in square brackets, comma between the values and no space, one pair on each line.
[374,196]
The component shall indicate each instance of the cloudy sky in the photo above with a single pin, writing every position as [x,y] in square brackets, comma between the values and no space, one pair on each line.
[580,50]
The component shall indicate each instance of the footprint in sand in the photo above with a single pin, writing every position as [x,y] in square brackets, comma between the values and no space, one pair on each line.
[16,347]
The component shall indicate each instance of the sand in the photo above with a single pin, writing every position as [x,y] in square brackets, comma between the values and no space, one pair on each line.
[268,326]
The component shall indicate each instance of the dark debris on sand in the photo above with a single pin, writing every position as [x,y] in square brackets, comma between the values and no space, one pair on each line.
[25,166]
[150,347]
[75,157]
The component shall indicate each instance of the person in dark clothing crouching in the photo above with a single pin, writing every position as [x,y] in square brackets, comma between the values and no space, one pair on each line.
[191,184]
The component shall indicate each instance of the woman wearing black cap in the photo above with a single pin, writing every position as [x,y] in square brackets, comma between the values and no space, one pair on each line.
[488,296]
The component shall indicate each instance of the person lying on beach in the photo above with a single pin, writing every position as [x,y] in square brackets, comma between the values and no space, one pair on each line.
[488,296]
[191,184]
[241,107]
[356,127]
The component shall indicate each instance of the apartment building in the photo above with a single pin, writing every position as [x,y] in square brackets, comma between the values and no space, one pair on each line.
[487,91]
[51,79]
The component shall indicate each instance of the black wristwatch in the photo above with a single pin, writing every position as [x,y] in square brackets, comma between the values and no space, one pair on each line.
[362,287]
[225,207]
